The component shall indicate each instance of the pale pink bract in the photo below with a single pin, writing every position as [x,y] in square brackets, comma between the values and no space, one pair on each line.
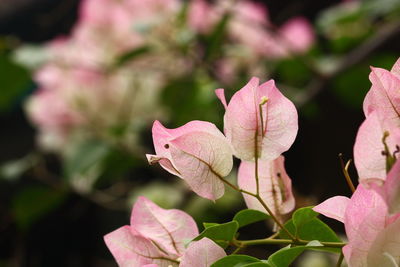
[251,137]
[372,232]
[275,185]
[156,237]
[197,152]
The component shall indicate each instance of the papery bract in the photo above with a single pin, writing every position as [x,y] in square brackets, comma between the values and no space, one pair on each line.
[134,250]
[197,152]
[168,228]
[369,228]
[155,236]
[274,183]
[251,137]
[391,189]
[384,96]
[369,147]
[202,253]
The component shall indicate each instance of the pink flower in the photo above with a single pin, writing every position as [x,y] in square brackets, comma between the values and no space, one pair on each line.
[368,148]
[197,152]
[156,237]
[274,183]
[373,235]
[266,134]
[197,11]
[390,191]
[297,35]
[382,111]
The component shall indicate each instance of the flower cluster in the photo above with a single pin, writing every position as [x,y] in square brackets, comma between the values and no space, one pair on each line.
[371,215]
[259,124]
[121,54]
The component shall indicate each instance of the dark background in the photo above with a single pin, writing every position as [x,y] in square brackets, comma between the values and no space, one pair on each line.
[72,235]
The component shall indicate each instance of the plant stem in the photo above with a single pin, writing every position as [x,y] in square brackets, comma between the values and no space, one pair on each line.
[346,173]
[270,241]
[340,260]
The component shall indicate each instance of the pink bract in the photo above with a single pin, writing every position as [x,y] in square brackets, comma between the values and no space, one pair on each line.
[168,228]
[372,233]
[297,34]
[197,152]
[368,148]
[155,236]
[202,253]
[251,137]
[275,185]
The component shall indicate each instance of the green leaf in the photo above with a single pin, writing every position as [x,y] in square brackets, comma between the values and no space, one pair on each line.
[32,203]
[214,43]
[235,261]
[14,80]
[303,216]
[207,225]
[306,226]
[221,233]
[285,256]
[257,264]
[249,216]
[83,156]
[131,55]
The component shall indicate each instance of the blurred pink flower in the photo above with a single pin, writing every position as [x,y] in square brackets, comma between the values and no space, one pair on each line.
[297,35]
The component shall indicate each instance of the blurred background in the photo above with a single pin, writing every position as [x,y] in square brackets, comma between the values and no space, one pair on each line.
[81,83]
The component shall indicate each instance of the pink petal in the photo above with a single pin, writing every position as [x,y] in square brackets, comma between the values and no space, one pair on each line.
[368,158]
[202,159]
[168,228]
[365,218]
[385,251]
[131,250]
[221,96]
[384,96]
[275,185]
[396,68]
[334,207]
[242,121]
[392,188]
[202,253]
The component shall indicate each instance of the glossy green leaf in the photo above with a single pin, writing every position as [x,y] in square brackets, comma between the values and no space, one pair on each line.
[207,225]
[285,256]
[249,216]
[235,261]
[257,264]
[221,233]
[306,226]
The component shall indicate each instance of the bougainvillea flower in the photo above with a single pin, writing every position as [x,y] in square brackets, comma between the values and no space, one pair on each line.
[274,183]
[253,135]
[297,35]
[202,253]
[197,152]
[369,155]
[372,233]
[391,189]
[156,237]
